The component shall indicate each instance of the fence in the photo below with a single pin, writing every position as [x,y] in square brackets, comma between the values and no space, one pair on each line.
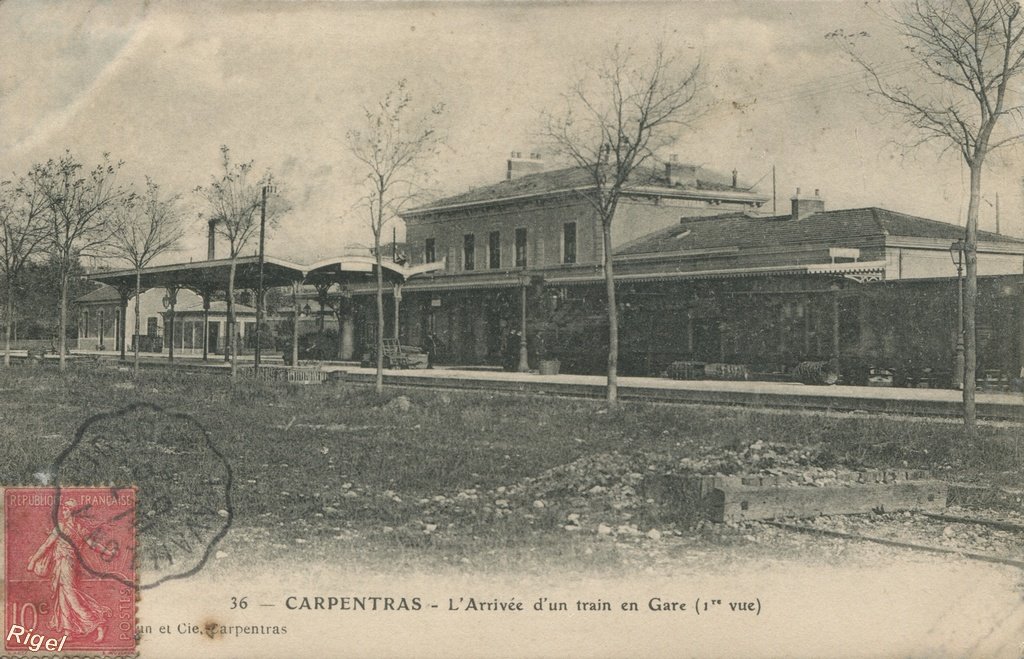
[37,345]
[292,374]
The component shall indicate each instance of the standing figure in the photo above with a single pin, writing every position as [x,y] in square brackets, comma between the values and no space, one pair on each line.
[75,612]
[511,355]
[431,346]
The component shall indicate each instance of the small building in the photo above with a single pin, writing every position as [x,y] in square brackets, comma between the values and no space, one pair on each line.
[188,327]
[99,327]
[99,320]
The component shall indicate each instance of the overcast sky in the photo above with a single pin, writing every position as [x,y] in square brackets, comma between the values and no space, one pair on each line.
[163,86]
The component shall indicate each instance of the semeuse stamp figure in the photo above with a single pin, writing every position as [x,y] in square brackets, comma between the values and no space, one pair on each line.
[70,566]
[74,611]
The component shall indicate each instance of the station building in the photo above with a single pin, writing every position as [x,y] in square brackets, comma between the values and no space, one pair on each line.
[702,274]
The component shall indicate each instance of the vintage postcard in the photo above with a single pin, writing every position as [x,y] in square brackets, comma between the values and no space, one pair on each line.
[512,329]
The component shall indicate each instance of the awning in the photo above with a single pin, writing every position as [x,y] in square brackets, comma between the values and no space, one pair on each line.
[510,281]
[210,276]
[866,267]
[450,283]
[206,275]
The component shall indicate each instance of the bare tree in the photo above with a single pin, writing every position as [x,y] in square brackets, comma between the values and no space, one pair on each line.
[79,209]
[234,205]
[391,146]
[23,233]
[616,116]
[144,229]
[958,95]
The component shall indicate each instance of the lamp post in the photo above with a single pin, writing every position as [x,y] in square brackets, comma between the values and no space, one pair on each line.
[267,189]
[524,355]
[295,323]
[169,301]
[956,253]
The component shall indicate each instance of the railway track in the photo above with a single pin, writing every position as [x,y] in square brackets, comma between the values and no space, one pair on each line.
[892,534]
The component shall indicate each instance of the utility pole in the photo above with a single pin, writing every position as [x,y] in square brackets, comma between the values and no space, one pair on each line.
[774,209]
[259,292]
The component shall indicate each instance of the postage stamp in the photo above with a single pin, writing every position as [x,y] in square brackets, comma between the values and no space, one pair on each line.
[69,569]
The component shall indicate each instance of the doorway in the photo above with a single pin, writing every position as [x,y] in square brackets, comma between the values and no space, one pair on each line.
[211,336]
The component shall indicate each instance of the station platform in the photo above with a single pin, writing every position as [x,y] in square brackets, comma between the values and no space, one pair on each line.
[890,400]
[995,405]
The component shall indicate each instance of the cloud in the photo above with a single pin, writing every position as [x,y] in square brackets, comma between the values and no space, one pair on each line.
[162,88]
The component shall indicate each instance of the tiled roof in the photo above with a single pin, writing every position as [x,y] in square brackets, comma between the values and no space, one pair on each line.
[102,294]
[854,226]
[577,177]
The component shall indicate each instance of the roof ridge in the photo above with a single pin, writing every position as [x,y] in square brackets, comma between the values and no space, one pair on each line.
[534,184]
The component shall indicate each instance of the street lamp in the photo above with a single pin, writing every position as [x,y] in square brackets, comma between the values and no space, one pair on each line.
[169,301]
[267,189]
[956,253]
[524,355]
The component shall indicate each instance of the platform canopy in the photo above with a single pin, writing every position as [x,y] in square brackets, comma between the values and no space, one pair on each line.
[209,276]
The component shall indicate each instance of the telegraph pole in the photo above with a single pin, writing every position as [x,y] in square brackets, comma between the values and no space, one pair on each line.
[259,293]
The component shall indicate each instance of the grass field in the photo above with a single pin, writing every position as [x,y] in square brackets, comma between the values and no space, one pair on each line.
[426,475]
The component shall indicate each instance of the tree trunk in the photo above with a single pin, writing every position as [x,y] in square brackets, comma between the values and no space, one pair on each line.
[8,321]
[62,324]
[613,316]
[339,315]
[971,299]
[138,321]
[122,314]
[398,301]
[232,347]
[379,381]
[295,323]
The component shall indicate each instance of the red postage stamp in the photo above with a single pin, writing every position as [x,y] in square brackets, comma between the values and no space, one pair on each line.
[69,565]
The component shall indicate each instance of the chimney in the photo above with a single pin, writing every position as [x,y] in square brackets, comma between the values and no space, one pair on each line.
[806,205]
[211,241]
[680,175]
[520,166]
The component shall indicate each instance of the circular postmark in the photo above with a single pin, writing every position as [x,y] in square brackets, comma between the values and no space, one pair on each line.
[181,483]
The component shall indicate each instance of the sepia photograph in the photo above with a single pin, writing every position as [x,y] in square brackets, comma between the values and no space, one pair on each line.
[512,329]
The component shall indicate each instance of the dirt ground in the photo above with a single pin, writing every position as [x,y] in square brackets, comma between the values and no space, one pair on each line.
[336,492]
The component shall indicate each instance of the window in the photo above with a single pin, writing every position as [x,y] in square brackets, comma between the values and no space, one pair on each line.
[520,248]
[151,326]
[494,249]
[468,251]
[569,242]
[429,251]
